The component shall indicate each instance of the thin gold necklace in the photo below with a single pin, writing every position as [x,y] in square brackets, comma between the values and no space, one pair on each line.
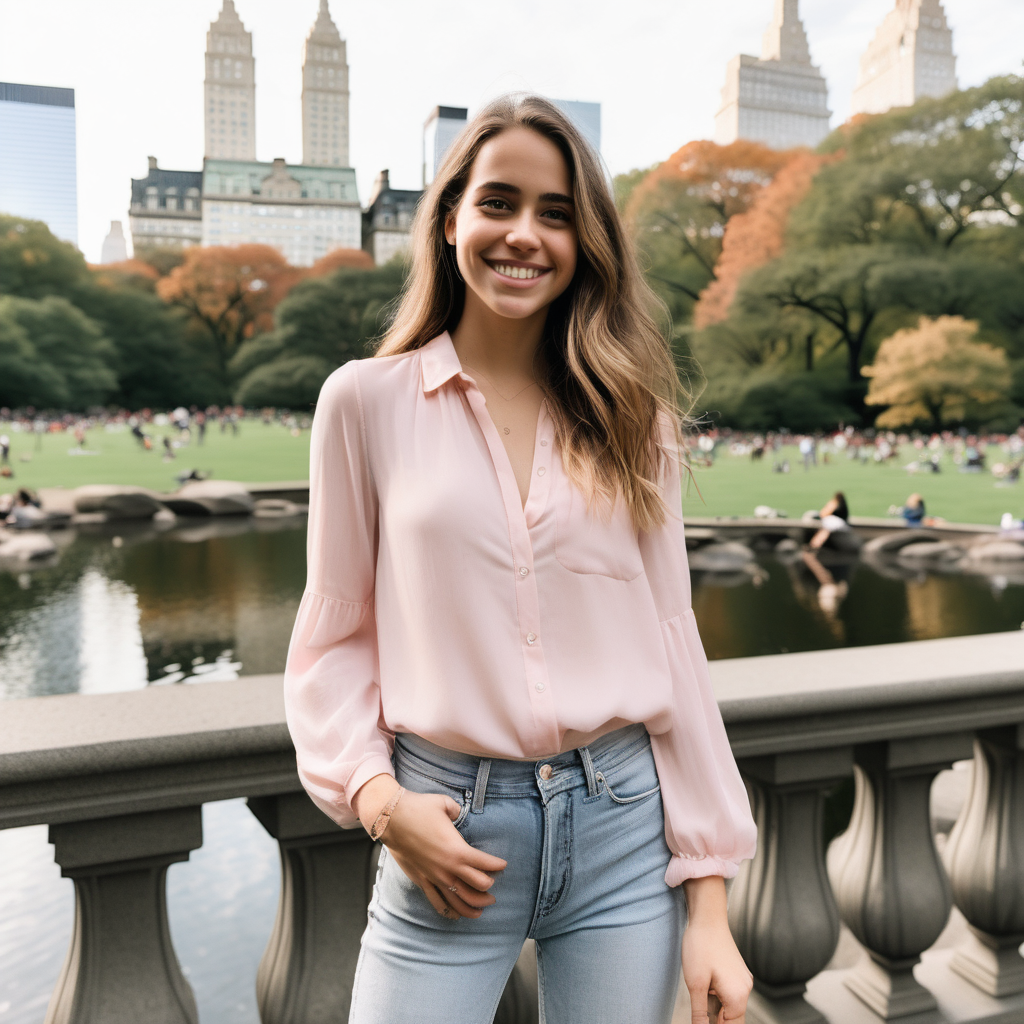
[493,385]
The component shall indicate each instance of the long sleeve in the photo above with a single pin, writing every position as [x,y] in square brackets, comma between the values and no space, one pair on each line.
[708,824]
[331,680]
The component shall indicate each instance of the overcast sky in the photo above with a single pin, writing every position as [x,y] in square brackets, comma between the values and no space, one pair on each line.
[656,67]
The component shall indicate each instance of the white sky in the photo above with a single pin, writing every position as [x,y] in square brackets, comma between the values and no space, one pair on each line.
[656,66]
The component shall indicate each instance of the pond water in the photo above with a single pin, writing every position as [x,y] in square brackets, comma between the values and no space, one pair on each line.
[126,608]
[136,607]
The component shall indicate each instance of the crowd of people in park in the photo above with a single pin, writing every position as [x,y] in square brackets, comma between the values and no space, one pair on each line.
[22,431]
[1002,455]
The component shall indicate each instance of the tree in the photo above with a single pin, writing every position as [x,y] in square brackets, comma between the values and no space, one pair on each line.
[678,212]
[755,236]
[70,344]
[24,378]
[938,374]
[926,176]
[33,262]
[232,291]
[321,325]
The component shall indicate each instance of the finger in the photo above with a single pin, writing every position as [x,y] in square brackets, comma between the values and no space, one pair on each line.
[451,896]
[474,897]
[714,1008]
[452,809]
[437,901]
[478,880]
[483,861]
[699,1004]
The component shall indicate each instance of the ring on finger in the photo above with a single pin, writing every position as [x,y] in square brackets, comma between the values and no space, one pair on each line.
[451,888]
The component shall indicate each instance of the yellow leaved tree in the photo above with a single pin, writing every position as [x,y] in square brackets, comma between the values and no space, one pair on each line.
[937,373]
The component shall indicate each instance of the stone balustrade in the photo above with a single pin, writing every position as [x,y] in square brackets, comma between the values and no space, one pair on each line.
[121,778]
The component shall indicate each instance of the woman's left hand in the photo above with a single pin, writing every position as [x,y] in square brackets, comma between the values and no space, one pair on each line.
[712,965]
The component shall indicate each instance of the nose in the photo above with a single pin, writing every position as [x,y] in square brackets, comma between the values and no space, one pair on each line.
[522,234]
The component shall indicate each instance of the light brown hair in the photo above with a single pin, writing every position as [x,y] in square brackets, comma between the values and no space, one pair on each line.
[613,387]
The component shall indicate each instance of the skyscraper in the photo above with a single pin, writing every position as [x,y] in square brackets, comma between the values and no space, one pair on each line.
[586,117]
[910,56]
[37,156]
[324,94]
[439,132]
[229,110]
[115,246]
[780,99]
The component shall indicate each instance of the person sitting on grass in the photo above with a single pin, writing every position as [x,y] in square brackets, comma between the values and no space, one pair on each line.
[913,511]
[834,517]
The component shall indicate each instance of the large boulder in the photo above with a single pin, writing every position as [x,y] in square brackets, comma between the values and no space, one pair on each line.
[1001,551]
[117,501]
[890,543]
[210,498]
[937,553]
[727,557]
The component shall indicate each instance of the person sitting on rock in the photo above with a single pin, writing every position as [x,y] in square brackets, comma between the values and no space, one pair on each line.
[834,517]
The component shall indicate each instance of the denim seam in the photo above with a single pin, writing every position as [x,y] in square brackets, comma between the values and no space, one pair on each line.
[552,900]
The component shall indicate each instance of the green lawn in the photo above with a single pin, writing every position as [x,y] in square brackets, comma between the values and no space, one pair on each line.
[259,453]
[733,486]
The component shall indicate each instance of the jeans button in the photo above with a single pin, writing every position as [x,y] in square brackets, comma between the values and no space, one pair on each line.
[545,771]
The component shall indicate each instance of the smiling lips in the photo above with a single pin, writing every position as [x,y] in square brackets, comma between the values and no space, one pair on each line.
[519,273]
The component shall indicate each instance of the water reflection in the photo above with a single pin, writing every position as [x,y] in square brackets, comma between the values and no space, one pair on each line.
[134,606]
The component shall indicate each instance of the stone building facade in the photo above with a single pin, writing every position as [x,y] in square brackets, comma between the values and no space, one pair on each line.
[229,94]
[910,56]
[387,219]
[324,95]
[305,212]
[779,99]
[166,209]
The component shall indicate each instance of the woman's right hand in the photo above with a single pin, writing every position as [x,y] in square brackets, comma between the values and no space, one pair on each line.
[453,875]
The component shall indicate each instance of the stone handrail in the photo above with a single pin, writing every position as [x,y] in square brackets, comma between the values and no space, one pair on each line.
[121,778]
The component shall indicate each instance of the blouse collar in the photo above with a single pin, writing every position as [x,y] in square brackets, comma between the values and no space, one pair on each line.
[438,362]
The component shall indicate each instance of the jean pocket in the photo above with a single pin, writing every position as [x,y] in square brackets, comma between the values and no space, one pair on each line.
[419,782]
[622,799]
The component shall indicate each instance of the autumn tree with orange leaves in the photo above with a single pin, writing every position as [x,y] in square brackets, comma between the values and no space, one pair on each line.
[678,213]
[231,291]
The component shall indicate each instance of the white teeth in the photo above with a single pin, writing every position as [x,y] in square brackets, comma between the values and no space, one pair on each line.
[519,273]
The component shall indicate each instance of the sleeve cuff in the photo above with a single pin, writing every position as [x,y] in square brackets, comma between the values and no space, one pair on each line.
[683,866]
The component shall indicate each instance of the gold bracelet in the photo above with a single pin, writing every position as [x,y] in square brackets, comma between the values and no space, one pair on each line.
[382,819]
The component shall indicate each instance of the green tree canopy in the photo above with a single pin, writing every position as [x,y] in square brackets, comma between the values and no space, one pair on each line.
[322,324]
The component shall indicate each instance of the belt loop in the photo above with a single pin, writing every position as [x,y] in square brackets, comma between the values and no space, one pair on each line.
[588,770]
[480,789]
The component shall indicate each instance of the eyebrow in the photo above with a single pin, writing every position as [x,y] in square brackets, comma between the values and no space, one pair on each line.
[515,190]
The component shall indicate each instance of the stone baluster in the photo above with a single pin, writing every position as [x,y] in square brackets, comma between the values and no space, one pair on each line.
[781,909]
[305,976]
[890,886]
[985,860]
[121,964]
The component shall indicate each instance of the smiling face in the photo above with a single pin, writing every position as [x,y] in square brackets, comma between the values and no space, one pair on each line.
[514,231]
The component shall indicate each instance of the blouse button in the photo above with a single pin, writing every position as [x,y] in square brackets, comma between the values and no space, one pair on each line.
[541,471]
[531,638]
[523,571]
[544,444]
[540,687]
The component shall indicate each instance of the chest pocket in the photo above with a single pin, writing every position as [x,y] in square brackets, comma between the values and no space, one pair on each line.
[591,544]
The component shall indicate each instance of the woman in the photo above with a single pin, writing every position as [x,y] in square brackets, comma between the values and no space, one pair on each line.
[835,517]
[495,667]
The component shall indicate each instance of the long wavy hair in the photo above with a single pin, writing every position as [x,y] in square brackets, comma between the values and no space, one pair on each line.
[613,386]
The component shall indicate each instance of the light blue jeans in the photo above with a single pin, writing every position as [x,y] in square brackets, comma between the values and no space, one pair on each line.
[586,859]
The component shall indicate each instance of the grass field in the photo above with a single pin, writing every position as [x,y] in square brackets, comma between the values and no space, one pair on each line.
[258,454]
[733,486]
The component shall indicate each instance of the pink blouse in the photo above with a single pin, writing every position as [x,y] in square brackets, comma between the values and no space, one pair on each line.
[436,604]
